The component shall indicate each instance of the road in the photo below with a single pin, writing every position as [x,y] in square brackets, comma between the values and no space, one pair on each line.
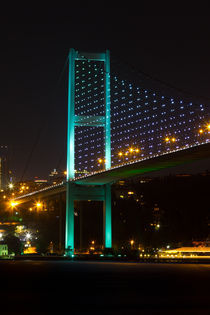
[79,287]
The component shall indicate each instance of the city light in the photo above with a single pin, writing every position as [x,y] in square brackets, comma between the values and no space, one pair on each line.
[92,247]
[19,229]
[13,203]
[11,186]
[157,226]
[38,206]
[132,243]
[28,235]
[199,252]
[208,126]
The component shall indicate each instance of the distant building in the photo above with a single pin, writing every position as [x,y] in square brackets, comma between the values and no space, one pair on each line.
[4,171]
[40,181]
[53,173]
[81,173]
[186,252]
[53,176]
[3,249]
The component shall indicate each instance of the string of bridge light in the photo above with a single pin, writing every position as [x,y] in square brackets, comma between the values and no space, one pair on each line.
[132,153]
[185,147]
[89,104]
[138,116]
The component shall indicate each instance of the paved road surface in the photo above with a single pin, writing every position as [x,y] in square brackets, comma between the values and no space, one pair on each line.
[73,287]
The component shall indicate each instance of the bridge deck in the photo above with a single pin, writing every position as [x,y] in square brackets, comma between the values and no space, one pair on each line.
[129,170]
[137,168]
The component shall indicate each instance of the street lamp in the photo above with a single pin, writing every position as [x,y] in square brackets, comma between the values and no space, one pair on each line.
[121,156]
[208,126]
[38,205]
[130,151]
[169,140]
[11,186]
[28,235]
[13,204]
[133,151]
[132,243]
[102,162]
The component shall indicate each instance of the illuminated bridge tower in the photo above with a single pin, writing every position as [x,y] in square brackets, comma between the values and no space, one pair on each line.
[93,192]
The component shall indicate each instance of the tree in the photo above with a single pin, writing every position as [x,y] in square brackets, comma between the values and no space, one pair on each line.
[13,243]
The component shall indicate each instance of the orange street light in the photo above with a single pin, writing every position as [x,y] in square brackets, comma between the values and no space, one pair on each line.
[38,205]
[102,162]
[131,242]
[121,156]
[13,203]
[11,186]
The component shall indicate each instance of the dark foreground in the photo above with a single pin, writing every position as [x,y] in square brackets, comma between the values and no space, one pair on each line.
[79,287]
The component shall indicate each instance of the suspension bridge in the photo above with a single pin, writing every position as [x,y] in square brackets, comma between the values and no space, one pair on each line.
[130,128]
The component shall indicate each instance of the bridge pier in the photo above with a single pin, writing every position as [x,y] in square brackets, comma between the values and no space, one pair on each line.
[83,192]
[107,217]
[74,192]
[69,238]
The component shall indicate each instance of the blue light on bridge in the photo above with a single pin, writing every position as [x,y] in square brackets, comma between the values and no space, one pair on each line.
[140,116]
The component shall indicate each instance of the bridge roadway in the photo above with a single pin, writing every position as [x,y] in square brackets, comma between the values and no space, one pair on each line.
[129,170]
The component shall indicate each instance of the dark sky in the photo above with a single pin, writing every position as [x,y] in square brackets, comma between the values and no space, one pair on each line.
[33,74]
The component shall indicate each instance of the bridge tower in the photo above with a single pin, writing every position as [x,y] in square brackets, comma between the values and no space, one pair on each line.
[81,192]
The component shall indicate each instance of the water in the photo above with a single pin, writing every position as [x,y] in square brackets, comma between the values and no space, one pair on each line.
[79,287]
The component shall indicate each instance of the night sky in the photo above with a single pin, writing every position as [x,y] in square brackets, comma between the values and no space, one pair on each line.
[33,69]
